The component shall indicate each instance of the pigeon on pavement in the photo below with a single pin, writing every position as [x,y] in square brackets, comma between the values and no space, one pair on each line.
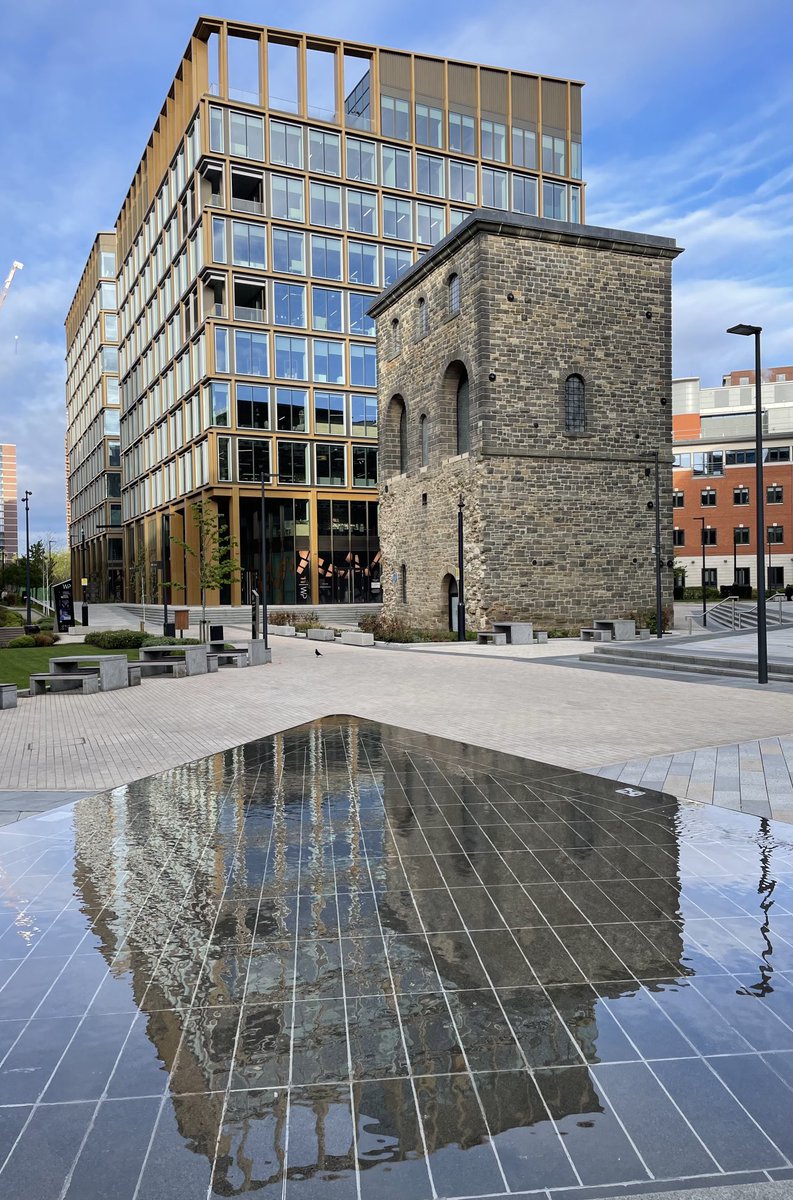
[318,654]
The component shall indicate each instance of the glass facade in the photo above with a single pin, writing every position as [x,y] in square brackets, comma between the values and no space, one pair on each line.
[243,278]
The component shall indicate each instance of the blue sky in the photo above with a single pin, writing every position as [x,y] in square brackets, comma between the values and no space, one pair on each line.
[686,134]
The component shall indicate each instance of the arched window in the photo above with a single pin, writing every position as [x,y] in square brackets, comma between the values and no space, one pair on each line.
[463,415]
[424,438]
[423,318]
[396,338]
[403,583]
[574,405]
[454,294]
[403,441]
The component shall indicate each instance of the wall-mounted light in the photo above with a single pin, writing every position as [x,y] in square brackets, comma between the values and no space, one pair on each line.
[492,377]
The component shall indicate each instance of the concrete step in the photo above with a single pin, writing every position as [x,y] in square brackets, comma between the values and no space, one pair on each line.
[688,663]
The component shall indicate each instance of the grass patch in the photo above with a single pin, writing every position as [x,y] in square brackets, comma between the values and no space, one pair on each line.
[16,666]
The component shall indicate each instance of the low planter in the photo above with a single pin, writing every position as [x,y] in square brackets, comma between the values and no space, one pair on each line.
[320,635]
[281,630]
[356,638]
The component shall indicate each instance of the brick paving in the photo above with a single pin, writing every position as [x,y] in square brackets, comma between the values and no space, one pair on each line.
[536,708]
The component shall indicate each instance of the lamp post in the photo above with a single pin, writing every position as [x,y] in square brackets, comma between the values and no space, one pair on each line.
[659,610]
[460,572]
[702,572]
[83,580]
[762,632]
[26,502]
[263,558]
[735,560]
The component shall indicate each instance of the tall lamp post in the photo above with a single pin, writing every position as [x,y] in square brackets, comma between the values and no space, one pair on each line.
[762,632]
[83,580]
[702,572]
[263,559]
[26,502]
[460,572]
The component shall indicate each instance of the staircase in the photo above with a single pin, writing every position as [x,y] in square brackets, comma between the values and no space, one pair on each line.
[342,615]
[728,615]
[690,663]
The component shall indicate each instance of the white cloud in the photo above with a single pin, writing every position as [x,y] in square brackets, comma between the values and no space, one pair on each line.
[703,309]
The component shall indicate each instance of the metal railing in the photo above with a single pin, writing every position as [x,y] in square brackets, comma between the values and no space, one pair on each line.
[746,618]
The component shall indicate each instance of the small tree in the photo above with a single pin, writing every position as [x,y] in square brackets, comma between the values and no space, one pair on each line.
[143,576]
[216,553]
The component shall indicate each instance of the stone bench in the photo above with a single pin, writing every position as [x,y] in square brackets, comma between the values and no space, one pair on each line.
[620,629]
[133,674]
[8,695]
[320,635]
[351,637]
[519,633]
[485,637]
[595,635]
[228,658]
[86,682]
[193,659]
[644,635]
[542,638]
[112,669]
[168,666]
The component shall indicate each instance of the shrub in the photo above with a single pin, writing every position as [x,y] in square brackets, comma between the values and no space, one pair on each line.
[386,629]
[8,617]
[22,643]
[645,618]
[116,639]
[300,620]
[695,593]
[44,639]
[153,639]
[46,624]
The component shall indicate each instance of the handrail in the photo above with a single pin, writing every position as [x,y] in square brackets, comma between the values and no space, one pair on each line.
[727,600]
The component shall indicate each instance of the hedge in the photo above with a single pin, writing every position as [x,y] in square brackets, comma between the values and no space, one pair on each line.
[132,639]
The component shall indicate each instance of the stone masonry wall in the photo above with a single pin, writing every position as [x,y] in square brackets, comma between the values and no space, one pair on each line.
[557,526]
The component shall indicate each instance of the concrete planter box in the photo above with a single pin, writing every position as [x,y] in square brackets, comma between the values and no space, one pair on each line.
[351,638]
[280,631]
[320,635]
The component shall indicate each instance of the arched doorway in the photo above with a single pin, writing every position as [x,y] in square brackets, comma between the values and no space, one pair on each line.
[450,592]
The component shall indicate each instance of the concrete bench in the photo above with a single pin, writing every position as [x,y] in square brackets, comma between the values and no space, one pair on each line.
[169,666]
[485,637]
[644,635]
[595,635]
[519,633]
[620,629]
[320,635]
[111,668]
[230,658]
[542,638]
[86,682]
[133,674]
[351,637]
[8,695]
[193,659]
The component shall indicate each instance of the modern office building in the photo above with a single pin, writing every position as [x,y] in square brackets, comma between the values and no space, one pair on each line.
[9,523]
[93,451]
[525,371]
[288,179]
[714,478]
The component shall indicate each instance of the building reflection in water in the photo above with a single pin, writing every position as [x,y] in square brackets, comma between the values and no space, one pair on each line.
[199,882]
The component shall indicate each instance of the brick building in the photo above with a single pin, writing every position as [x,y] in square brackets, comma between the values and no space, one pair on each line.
[714,478]
[525,364]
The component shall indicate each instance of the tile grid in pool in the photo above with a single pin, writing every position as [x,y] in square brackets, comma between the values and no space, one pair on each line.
[353,961]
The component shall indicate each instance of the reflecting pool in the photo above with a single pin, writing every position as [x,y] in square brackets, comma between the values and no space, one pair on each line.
[353,961]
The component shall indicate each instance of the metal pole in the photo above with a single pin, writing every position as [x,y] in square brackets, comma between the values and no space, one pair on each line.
[165,576]
[27,555]
[734,559]
[659,609]
[702,572]
[262,518]
[83,577]
[461,573]
[762,632]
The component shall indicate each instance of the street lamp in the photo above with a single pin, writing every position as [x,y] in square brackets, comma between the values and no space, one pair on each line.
[702,580]
[83,580]
[26,502]
[460,572]
[762,633]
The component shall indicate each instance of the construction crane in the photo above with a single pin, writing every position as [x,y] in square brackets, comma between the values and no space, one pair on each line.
[15,266]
